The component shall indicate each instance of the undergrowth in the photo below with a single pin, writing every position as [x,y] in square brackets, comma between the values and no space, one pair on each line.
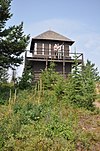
[43,123]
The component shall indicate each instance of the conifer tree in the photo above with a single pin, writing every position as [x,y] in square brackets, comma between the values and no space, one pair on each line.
[48,76]
[12,40]
[91,71]
[80,88]
[74,87]
[3,75]
[90,75]
[25,82]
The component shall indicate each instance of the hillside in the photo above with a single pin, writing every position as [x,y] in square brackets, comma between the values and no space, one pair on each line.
[55,114]
[39,121]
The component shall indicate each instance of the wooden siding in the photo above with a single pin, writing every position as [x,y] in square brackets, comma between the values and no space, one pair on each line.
[66,50]
[68,67]
[39,66]
[52,50]
[39,48]
[43,53]
[46,49]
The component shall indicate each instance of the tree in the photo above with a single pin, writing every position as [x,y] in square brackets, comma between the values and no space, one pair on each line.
[90,76]
[25,82]
[3,75]
[80,87]
[48,76]
[53,81]
[74,86]
[12,40]
[91,71]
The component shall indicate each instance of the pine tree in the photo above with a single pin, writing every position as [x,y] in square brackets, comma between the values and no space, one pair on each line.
[90,75]
[25,82]
[74,87]
[12,40]
[91,71]
[3,75]
[80,87]
[48,76]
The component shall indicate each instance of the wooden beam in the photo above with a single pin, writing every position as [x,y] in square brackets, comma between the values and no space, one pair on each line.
[63,66]
[46,63]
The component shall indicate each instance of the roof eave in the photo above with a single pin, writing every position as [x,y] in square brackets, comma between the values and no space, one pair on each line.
[56,40]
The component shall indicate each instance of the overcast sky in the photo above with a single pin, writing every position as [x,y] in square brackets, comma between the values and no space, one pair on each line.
[78,20]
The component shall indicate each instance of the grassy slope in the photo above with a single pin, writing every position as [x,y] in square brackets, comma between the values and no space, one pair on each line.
[44,123]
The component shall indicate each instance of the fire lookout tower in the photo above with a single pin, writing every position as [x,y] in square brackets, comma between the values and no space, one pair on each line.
[51,46]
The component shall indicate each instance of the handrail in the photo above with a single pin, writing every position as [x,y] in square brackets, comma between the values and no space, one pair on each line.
[62,55]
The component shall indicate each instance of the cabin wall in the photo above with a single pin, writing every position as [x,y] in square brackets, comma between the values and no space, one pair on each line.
[43,49]
[39,66]
[66,50]
[47,48]
[59,67]
[68,67]
[39,48]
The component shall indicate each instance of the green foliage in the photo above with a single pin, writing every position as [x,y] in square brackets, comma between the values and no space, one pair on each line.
[80,88]
[53,81]
[74,88]
[48,120]
[49,77]
[58,128]
[4,86]
[91,71]
[3,75]
[5,89]
[12,40]
[50,124]
[90,76]
[25,82]
[4,12]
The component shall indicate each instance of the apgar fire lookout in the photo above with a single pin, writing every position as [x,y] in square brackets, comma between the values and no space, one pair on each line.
[51,46]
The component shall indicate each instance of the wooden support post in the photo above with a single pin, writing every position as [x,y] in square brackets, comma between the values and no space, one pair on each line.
[46,63]
[64,67]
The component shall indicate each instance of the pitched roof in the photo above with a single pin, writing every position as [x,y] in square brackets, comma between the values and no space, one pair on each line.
[51,35]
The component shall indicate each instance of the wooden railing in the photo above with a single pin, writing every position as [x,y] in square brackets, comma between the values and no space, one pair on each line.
[56,56]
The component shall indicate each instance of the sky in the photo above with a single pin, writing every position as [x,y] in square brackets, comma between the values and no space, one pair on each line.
[78,20]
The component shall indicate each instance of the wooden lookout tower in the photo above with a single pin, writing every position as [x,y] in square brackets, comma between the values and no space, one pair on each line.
[51,46]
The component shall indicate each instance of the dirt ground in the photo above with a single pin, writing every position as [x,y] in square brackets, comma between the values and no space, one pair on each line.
[97,104]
